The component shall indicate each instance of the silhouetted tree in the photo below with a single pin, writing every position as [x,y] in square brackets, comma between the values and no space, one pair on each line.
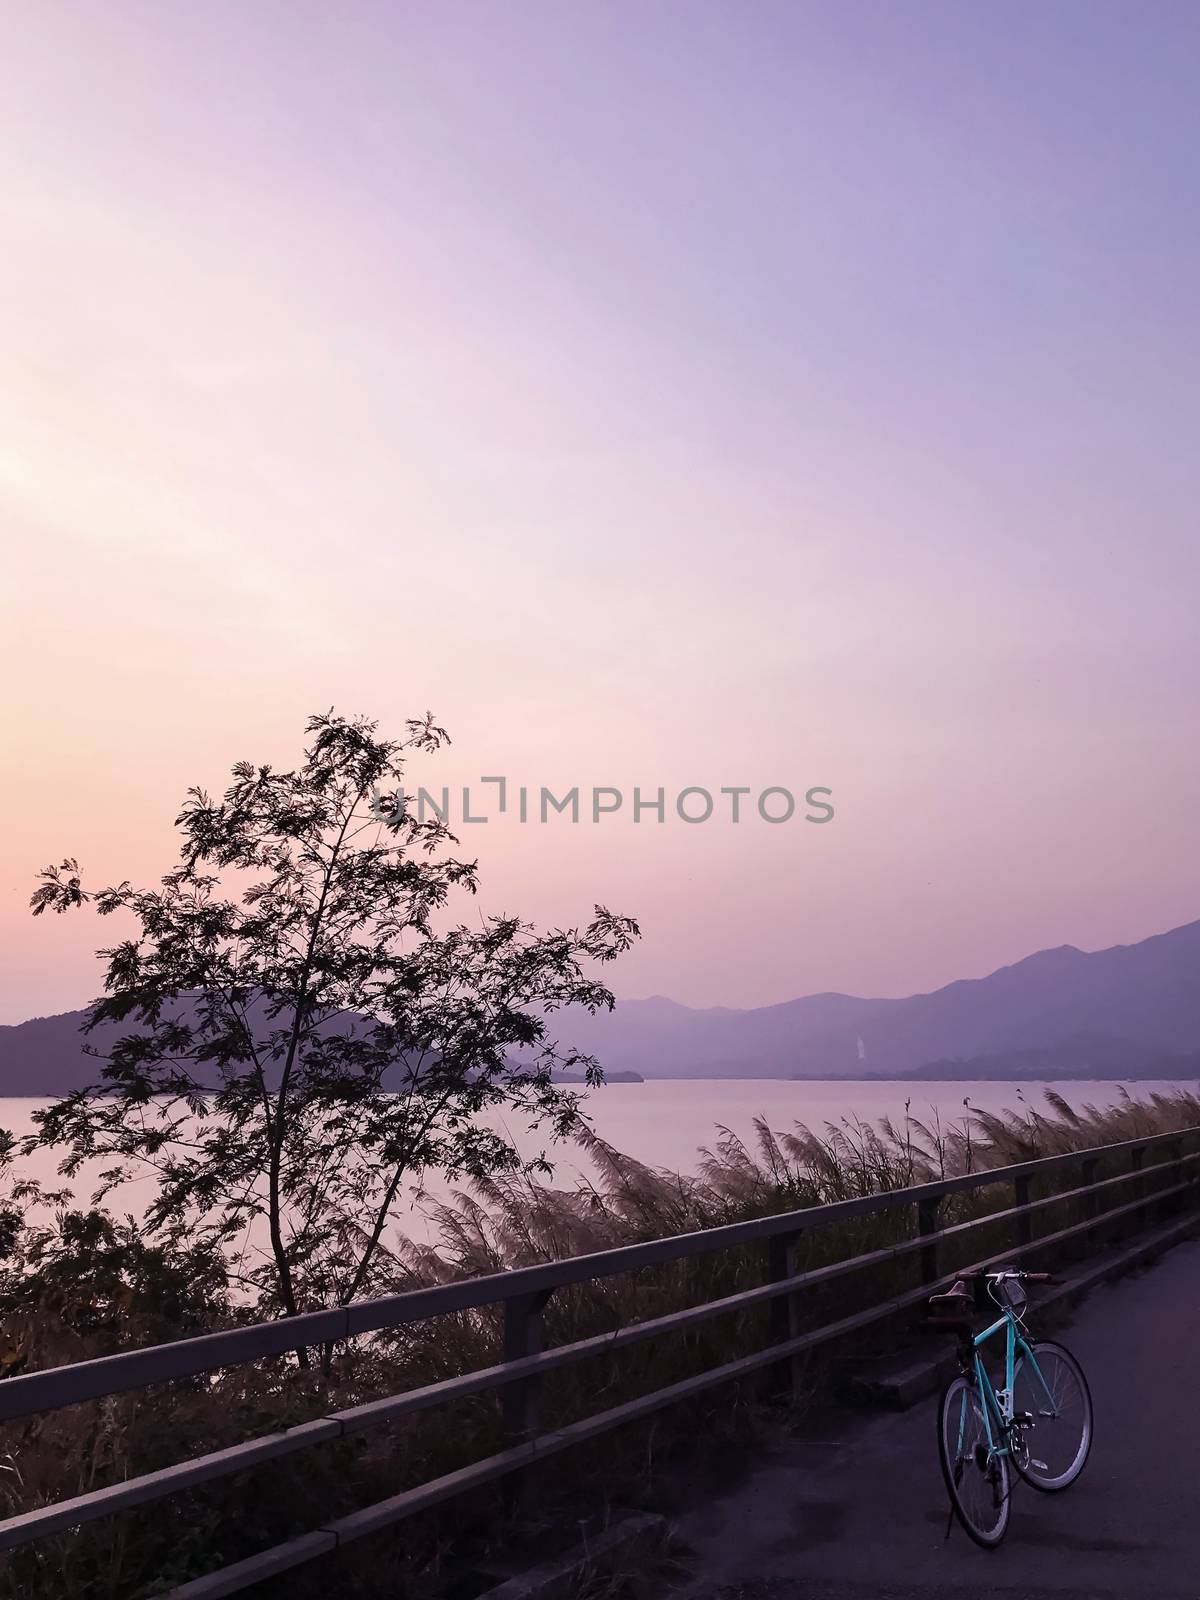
[304,1038]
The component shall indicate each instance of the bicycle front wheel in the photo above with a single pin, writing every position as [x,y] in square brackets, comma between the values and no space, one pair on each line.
[1053,1449]
[977,1480]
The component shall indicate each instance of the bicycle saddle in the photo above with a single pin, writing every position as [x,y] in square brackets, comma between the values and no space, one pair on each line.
[957,1305]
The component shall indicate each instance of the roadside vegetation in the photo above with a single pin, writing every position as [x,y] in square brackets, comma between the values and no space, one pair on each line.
[80,1283]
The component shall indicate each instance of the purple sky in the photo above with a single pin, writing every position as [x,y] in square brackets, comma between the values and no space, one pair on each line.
[664,394]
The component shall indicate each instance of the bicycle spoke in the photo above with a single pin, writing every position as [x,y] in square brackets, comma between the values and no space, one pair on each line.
[976,1475]
[1050,1387]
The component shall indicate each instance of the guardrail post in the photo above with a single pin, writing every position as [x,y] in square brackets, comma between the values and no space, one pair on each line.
[782,1263]
[1137,1157]
[523,1332]
[1024,1220]
[522,1337]
[1191,1177]
[1173,1203]
[1088,1174]
[927,1223]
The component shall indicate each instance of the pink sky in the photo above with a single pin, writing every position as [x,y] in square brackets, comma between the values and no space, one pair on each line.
[688,394]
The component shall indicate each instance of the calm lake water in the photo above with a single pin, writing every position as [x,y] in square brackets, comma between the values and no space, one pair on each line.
[665,1123]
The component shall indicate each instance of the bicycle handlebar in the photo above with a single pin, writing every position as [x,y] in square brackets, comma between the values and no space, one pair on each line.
[1015,1272]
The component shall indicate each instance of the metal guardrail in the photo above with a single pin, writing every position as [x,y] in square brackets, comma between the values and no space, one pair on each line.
[524,1294]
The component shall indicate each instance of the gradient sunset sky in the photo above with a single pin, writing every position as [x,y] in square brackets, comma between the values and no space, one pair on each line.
[676,393]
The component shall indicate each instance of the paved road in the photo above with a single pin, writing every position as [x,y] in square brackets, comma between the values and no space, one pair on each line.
[854,1505]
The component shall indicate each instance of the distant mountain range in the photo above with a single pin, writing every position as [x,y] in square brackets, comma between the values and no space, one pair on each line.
[1129,1012]
[44,1057]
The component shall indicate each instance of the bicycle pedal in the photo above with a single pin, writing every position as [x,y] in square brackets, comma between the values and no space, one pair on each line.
[1023,1419]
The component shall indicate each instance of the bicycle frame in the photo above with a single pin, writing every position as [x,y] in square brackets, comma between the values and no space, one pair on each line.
[1000,1406]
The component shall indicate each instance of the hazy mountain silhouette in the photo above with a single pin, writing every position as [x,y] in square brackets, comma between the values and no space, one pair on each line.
[45,1056]
[1092,1012]
[1133,1010]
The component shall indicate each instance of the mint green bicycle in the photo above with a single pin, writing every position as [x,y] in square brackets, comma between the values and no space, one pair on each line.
[1038,1425]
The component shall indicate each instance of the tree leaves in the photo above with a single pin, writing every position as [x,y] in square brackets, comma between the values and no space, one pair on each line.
[307,1028]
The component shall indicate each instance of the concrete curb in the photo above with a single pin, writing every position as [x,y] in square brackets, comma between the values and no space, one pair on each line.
[631,1536]
[903,1385]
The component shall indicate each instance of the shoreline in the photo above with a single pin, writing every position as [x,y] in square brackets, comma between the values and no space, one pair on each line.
[625,1077]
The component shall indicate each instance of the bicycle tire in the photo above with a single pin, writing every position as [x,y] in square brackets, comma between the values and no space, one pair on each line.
[1054,1451]
[978,1484]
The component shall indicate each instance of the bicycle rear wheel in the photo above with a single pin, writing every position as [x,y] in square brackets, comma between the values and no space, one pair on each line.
[1053,1449]
[977,1481]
